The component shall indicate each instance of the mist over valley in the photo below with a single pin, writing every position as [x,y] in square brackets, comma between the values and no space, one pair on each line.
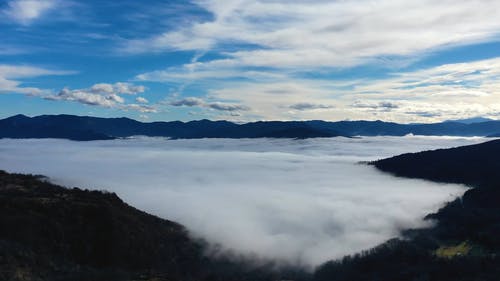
[300,202]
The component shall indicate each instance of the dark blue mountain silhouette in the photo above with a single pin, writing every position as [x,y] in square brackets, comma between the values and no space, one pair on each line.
[94,128]
[471,120]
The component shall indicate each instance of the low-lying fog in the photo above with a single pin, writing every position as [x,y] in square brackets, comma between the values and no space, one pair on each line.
[300,201]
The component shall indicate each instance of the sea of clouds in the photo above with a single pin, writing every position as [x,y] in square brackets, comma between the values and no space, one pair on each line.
[298,201]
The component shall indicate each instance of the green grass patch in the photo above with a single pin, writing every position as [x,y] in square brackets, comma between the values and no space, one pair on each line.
[449,252]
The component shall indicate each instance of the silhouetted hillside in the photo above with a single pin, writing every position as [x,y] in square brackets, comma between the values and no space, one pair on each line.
[21,126]
[476,216]
[462,246]
[93,128]
[48,232]
[476,165]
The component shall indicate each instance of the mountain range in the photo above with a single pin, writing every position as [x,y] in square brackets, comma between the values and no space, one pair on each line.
[85,128]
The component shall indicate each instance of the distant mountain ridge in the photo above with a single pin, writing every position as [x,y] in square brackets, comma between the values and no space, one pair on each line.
[471,120]
[84,128]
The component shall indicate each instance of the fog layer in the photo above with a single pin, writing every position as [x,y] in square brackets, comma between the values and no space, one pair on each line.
[299,201]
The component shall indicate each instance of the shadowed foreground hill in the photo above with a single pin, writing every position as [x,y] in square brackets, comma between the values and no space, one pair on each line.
[476,216]
[476,165]
[464,244]
[48,232]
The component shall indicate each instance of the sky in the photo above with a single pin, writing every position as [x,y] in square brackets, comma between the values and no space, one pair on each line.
[394,60]
[301,202]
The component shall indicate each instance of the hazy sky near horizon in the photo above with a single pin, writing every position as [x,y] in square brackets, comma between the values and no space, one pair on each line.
[243,60]
[299,201]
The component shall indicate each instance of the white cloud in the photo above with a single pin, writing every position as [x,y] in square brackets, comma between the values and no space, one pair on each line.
[117,88]
[383,106]
[24,71]
[139,107]
[105,95]
[141,100]
[102,94]
[303,202]
[227,106]
[327,33]
[309,106]
[87,97]
[450,91]
[189,101]
[265,47]
[203,71]
[11,77]
[198,102]
[271,100]
[27,11]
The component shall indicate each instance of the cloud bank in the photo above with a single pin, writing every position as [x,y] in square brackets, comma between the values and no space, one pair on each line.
[449,91]
[301,202]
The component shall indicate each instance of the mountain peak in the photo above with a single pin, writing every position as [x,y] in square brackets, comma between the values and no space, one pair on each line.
[19,117]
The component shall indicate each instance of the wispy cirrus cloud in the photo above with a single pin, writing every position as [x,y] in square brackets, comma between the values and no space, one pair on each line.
[206,72]
[448,91]
[26,11]
[6,50]
[12,76]
[325,34]
[266,52]
[10,71]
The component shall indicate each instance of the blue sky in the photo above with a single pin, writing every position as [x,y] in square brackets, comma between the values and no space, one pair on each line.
[404,61]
